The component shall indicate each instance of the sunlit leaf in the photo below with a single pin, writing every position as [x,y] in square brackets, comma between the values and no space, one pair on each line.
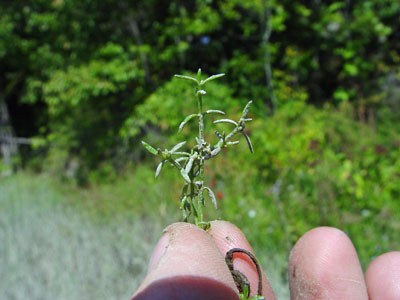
[183,202]
[211,195]
[218,134]
[248,142]
[149,148]
[246,109]
[190,164]
[212,78]
[187,119]
[215,111]
[199,75]
[226,121]
[186,77]
[181,153]
[158,170]
[177,146]
[181,159]
[185,175]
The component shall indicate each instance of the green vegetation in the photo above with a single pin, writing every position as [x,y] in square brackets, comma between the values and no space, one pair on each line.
[60,242]
[75,71]
[310,167]
[86,81]
[51,249]
[191,164]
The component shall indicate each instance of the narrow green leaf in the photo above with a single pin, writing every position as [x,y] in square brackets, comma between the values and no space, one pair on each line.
[149,148]
[218,135]
[248,142]
[211,195]
[181,159]
[190,164]
[246,290]
[226,121]
[185,207]
[177,146]
[216,111]
[187,119]
[158,170]
[184,189]
[202,200]
[246,109]
[183,202]
[199,75]
[187,78]
[181,153]
[194,208]
[185,175]
[212,78]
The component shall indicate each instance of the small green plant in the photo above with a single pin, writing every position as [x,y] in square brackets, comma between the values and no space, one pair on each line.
[191,163]
[191,166]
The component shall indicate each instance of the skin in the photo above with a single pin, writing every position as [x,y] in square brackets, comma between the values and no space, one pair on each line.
[188,263]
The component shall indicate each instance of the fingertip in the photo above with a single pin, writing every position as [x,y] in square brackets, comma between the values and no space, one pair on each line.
[383,277]
[158,251]
[324,264]
[227,236]
[185,251]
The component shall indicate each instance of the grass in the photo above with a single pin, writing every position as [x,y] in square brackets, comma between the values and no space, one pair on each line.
[72,243]
[52,250]
[67,243]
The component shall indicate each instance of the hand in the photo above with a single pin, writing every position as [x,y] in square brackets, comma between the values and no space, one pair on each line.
[188,263]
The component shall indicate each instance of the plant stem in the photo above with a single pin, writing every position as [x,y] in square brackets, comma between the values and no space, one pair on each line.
[192,165]
[200,200]
[201,117]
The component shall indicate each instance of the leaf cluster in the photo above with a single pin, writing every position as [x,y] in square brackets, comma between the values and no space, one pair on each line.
[190,163]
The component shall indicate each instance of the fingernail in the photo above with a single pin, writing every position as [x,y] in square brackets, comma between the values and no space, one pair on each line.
[158,252]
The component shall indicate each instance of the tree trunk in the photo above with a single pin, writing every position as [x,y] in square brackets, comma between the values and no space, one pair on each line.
[134,29]
[8,147]
[265,19]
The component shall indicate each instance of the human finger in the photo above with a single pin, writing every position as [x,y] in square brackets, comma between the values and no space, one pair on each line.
[227,236]
[186,264]
[383,277]
[324,265]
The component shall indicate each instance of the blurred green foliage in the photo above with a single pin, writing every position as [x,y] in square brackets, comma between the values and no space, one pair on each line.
[311,167]
[73,72]
[90,79]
